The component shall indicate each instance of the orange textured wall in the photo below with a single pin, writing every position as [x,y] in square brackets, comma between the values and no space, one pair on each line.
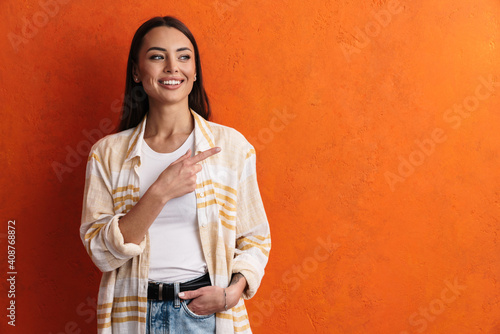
[376,126]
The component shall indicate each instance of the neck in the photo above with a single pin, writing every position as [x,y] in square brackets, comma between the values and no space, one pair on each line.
[167,120]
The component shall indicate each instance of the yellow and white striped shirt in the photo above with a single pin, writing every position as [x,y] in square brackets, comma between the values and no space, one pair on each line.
[234,231]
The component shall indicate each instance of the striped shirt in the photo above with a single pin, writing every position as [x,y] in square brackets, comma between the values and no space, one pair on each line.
[234,231]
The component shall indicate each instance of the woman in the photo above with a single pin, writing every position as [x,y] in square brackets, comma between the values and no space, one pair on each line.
[172,213]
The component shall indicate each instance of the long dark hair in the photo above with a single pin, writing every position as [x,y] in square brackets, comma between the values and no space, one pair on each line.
[136,103]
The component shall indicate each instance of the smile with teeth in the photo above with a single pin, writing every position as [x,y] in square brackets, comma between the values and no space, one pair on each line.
[171,82]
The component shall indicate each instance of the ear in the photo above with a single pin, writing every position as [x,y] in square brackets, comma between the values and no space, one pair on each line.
[135,73]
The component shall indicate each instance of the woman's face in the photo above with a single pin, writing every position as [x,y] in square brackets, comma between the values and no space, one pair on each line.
[166,66]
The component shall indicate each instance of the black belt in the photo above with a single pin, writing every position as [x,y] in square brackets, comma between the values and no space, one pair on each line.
[165,291]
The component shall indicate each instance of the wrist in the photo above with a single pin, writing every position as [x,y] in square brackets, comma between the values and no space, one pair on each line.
[233,294]
[235,290]
[225,299]
[155,193]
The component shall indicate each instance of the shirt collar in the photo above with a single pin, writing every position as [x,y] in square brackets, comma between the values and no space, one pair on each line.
[203,136]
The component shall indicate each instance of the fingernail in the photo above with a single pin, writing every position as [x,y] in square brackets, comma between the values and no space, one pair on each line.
[217,149]
[181,294]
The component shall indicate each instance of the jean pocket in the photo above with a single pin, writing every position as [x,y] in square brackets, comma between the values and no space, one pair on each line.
[193,315]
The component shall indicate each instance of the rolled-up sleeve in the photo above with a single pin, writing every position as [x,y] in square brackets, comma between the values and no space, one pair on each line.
[253,237]
[99,228]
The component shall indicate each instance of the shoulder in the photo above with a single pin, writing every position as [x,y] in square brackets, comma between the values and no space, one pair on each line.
[116,143]
[227,137]
[237,154]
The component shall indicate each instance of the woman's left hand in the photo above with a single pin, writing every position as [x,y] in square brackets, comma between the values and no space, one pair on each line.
[211,299]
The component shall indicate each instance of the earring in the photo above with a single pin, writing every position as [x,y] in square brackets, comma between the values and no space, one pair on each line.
[136,79]
[194,79]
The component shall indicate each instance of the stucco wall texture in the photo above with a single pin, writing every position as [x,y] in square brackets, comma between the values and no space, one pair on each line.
[376,127]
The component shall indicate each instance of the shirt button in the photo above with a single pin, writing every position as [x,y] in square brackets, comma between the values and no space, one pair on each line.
[202,195]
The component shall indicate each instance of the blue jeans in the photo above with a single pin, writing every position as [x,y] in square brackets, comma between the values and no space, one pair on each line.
[164,318]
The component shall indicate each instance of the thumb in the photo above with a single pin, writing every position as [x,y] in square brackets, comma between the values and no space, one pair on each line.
[189,294]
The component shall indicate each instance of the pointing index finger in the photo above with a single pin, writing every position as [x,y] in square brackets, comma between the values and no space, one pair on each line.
[205,154]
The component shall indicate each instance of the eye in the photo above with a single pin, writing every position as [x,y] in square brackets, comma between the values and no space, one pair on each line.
[185,57]
[156,57]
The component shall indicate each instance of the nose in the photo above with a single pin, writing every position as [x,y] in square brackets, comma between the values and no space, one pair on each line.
[171,64]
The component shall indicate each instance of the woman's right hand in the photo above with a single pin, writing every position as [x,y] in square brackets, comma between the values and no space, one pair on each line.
[179,178]
[176,180]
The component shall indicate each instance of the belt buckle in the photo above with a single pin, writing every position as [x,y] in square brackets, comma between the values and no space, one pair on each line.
[160,291]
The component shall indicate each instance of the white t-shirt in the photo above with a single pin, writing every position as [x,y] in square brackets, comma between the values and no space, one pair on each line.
[176,253]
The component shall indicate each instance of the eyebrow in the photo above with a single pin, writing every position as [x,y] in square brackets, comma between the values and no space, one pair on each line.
[164,50]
